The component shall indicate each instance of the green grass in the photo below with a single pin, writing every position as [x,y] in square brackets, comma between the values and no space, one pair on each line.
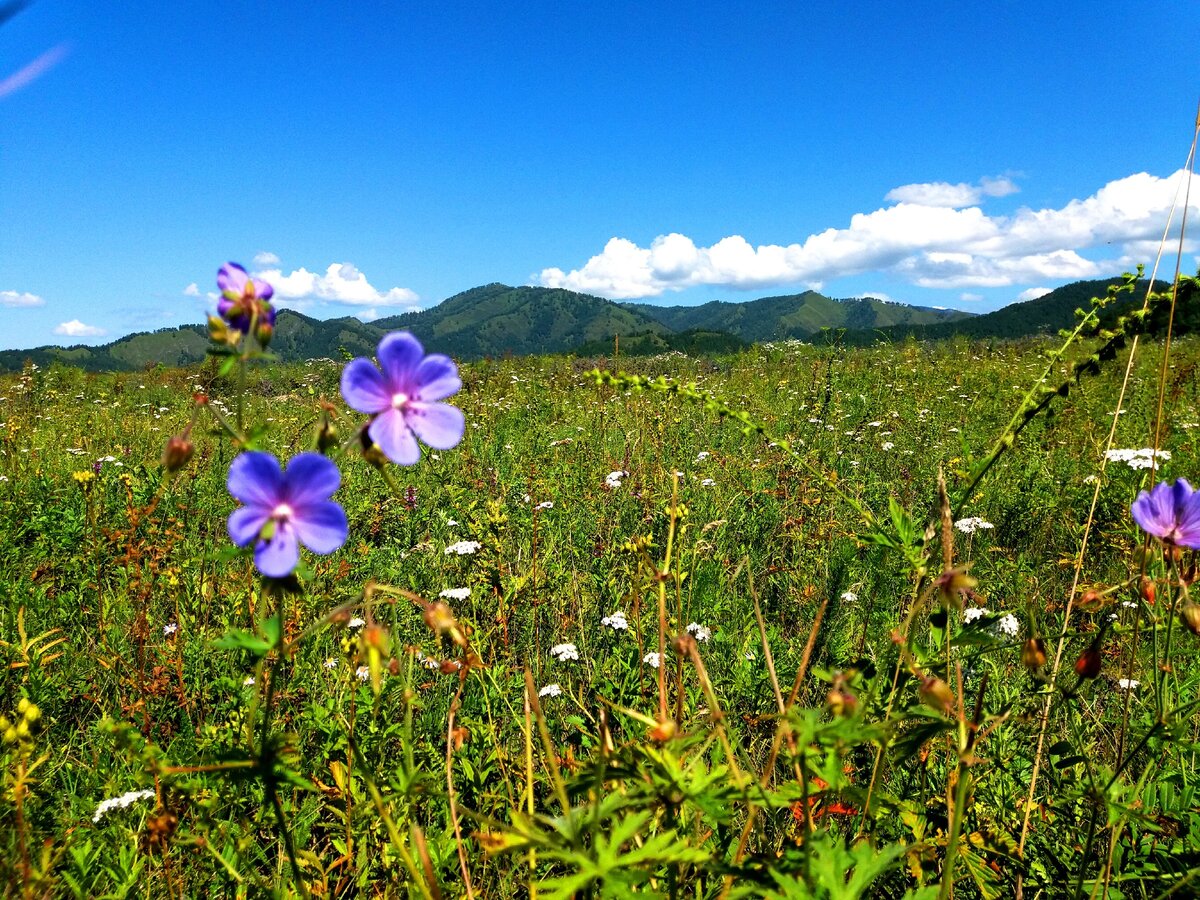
[96,568]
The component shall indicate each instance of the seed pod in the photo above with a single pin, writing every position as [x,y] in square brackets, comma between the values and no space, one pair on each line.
[1147,588]
[1088,664]
[1189,617]
[1033,654]
[177,453]
[936,694]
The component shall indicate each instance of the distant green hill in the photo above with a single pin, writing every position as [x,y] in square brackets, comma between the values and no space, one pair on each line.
[498,320]
[794,315]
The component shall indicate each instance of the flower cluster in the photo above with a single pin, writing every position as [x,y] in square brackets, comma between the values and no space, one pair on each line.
[564,652]
[1138,459]
[125,800]
[283,509]
[617,622]
[972,524]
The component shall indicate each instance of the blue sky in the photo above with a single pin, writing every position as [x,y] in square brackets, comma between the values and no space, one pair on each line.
[376,157]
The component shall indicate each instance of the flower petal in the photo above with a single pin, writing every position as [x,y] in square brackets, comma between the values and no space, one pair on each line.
[439,425]
[263,290]
[232,277]
[245,523]
[321,527]
[391,433]
[363,388]
[277,557]
[1188,514]
[310,479]
[437,378]
[256,479]
[399,355]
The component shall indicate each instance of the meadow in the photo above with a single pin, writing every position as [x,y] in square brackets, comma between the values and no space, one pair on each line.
[709,629]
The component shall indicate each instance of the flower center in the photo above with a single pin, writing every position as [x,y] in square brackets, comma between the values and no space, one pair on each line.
[281,513]
[399,401]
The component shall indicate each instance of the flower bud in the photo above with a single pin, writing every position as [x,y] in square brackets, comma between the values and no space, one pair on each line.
[1033,653]
[936,694]
[327,435]
[23,730]
[264,332]
[841,702]
[661,732]
[177,453]
[10,735]
[1088,664]
[1189,617]
[33,714]
[1147,589]
[22,705]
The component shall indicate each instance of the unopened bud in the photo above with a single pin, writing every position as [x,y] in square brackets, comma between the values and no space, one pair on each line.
[1088,664]
[1147,588]
[264,332]
[1033,654]
[438,617]
[177,453]
[33,714]
[936,694]
[1189,617]
[661,732]
[327,435]
[841,702]
[22,705]
[23,730]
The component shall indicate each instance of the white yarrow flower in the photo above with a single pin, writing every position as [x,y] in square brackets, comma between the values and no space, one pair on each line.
[564,652]
[125,800]
[849,597]
[455,593]
[356,623]
[1008,625]
[1127,684]
[972,524]
[617,622]
[613,479]
[975,612]
[550,690]
[463,548]
[653,660]
[699,632]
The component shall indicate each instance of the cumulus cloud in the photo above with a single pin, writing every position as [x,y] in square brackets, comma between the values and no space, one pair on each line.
[1032,293]
[192,290]
[75,328]
[266,258]
[941,193]
[928,237]
[341,283]
[15,298]
[967,297]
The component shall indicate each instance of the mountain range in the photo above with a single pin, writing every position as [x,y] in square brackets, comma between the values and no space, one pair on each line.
[498,320]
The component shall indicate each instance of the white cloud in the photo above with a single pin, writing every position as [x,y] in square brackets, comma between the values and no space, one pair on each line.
[1032,293]
[75,328]
[941,193]
[13,298]
[192,290]
[368,315]
[932,243]
[266,258]
[966,297]
[341,283]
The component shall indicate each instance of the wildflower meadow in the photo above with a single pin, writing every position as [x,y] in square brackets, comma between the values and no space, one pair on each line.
[910,620]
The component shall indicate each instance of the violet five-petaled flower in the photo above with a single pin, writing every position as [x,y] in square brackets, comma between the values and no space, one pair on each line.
[240,295]
[402,398]
[1170,512]
[283,509]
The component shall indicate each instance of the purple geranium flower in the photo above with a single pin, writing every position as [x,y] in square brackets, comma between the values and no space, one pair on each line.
[1170,512]
[402,398]
[240,295]
[285,509]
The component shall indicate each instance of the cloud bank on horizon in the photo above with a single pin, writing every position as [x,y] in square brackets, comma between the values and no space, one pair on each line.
[934,235]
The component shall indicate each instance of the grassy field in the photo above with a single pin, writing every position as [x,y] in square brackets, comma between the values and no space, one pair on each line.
[831,716]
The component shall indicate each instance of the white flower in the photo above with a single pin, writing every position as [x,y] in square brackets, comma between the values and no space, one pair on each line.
[121,802]
[249,682]
[849,596]
[170,629]
[1137,459]
[362,673]
[1127,684]
[972,524]
[550,690]
[874,424]
[455,593]
[702,455]
[617,621]
[546,504]
[749,656]
[463,548]
[330,663]
[707,482]
[613,479]
[356,622]
[1008,625]
[699,632]
[564,652]
[652,659]
[975,612]
[450,523]
[887,445]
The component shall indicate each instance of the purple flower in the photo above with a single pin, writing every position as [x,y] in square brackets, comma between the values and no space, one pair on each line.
[1170,512]
[285,509]
[241,295]
[402,398]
